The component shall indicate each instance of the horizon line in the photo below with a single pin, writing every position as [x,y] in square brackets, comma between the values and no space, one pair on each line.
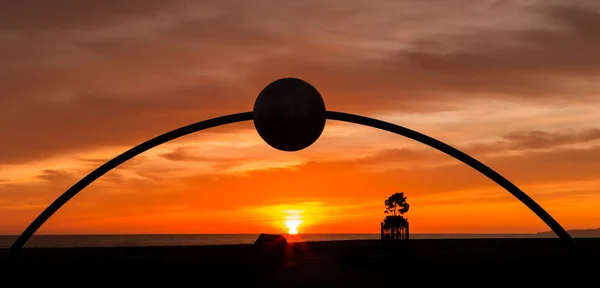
[364,233]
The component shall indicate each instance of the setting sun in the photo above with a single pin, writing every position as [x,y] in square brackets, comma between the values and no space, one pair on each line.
[292,225]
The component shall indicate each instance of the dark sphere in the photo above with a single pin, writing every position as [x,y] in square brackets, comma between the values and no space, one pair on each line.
[289,114]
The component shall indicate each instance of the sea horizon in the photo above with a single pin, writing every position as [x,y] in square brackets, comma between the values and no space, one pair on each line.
[145,240]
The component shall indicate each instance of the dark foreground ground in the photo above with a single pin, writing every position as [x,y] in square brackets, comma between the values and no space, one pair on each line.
[482,263]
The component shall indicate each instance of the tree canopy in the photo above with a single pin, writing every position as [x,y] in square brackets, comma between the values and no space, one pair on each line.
[396,204]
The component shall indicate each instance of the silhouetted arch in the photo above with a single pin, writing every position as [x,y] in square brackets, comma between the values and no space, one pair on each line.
[246,116]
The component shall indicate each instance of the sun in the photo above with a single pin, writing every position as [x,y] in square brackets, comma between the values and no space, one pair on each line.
[293,231]
[292,225]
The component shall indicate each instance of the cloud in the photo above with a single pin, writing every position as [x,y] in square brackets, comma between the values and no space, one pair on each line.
[541,139]
[531,141]
[51,175]
[90,123]
[183,61]
[528,63]
[187,154]
[515,145]
[532,168]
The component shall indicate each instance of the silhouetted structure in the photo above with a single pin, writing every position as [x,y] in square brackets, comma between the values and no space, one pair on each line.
[273,116]
[395,226]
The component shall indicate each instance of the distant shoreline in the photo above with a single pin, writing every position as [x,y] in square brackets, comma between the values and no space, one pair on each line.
[162,240]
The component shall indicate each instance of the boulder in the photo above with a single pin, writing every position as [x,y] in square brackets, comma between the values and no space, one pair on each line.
[270,249]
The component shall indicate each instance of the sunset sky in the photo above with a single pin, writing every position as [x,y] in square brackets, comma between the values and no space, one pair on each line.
[513,83]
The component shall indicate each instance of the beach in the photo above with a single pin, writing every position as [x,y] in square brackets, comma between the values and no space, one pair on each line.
[327,263]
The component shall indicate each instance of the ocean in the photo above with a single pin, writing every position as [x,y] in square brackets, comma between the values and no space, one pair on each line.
[65,241]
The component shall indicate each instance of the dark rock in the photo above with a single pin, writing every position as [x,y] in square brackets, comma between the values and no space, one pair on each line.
[269,249]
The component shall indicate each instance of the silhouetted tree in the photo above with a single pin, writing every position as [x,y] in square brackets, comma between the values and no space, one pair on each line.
[395,207]
[396,204]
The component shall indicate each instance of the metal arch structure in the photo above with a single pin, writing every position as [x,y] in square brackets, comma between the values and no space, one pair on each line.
[246,116]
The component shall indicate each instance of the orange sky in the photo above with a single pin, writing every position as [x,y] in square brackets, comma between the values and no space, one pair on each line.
[513,83]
